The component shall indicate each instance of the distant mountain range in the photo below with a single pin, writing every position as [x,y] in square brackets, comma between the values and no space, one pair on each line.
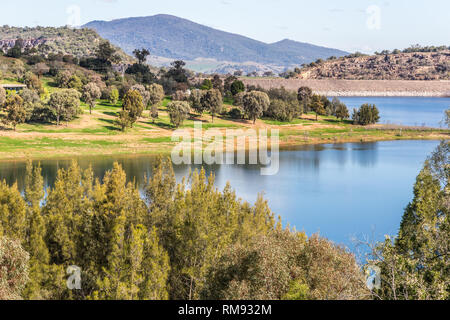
[204,48]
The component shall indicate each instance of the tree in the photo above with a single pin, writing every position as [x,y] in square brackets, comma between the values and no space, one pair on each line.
[316,105]
[124,120]
[304,96]
[14,269]
[18,69]
[156,94]
[65,104]
[212,101]
[133,103]
[236,87]
[15,110]
[282,110]
[446,119]
[255,103]
[195,99]
[17,50]
[90,95]
[143,92]
[106,52]
[177,72]
[342,111]
[178,112]
[31,102]
[154,112]
[217,83]
[2,97]
[367,114]
[62,79]
[40,69]
[285,264]
[114,96]
[76,83]
[206,84]
[33,82]
[414,265]
[141,55]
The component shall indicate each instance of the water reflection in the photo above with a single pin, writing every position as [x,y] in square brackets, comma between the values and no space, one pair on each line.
[340,190]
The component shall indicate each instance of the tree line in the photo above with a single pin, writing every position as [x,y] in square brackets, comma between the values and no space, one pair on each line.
[170,241]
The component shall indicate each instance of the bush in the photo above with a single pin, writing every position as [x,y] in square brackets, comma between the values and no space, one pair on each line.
[367,114]
[235,113]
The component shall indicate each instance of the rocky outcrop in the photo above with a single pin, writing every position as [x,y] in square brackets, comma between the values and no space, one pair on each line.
[333,87]
[401,66]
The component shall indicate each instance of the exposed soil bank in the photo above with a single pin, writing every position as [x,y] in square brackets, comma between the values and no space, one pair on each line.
[360,88]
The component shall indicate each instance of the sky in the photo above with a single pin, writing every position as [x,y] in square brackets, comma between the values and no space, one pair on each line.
[350,25]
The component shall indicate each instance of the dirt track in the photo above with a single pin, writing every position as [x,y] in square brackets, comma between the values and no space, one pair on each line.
[343,88]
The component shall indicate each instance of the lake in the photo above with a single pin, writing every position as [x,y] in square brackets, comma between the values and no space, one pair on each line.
[411,111]
[339,190]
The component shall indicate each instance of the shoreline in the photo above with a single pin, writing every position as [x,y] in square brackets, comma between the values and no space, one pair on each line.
[36,155]
[360,88]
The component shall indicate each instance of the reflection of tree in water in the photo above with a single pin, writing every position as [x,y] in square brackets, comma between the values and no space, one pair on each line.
[365,154]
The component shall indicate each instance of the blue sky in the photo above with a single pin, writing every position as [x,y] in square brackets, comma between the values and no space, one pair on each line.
[352,25]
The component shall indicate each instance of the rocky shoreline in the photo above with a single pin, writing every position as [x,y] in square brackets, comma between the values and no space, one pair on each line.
[360,88]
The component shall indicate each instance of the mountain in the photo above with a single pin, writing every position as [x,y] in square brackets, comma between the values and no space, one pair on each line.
[171,37]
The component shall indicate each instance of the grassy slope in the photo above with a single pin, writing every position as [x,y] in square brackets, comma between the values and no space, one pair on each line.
[96,134]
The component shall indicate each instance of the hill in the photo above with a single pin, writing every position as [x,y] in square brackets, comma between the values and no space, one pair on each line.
[65,40]
[419,65]
[176,38]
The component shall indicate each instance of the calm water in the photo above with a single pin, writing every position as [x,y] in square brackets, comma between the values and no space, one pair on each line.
[341,190]
[411,111]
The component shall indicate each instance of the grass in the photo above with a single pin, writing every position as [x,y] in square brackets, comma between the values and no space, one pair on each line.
[96,133]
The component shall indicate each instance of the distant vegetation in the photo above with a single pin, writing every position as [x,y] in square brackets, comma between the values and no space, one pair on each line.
[414,63]
[55,41]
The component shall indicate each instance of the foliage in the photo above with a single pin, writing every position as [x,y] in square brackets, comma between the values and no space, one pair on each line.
[90,95]
[67,41]
[195,99]
[13,269]
[236,113]
[304,96]
[65,104]
[206,84]
[286,265]
[134,105]
[156,94]
[141,55]
[316,105]
[212,101]
[114,96]
[340,109]
[415,264]
[33,82]
[255,103]
[367,114]
[236,87]
[2,97]
[31,101]
[178,112]
[15,110]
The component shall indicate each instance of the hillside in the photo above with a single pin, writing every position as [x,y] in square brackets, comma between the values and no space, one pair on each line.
[76,42]
[175,38]
[398,66]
